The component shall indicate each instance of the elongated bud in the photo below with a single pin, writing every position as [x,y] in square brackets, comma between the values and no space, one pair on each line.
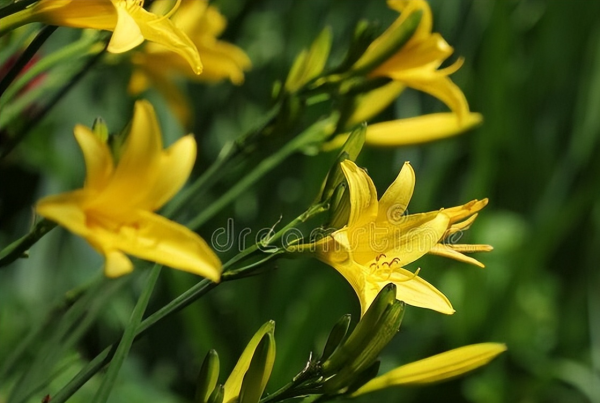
[233,386]
[259,372]
[388,43]
[378,337]
[361,335]
[336,336]
[208,376]
[364,34]
[100,129]
[350,150]
[309,64]
[217,395]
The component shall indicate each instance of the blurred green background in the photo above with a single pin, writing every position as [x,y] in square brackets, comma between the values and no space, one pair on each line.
[532,68]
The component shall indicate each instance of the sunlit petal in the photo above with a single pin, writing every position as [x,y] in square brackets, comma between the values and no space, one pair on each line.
[394,201]
[420,129]
[98,160]
[363,195]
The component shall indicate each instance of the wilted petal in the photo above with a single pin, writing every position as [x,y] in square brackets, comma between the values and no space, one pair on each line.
[363,195]
[436,368]
[155,238]
[420,129]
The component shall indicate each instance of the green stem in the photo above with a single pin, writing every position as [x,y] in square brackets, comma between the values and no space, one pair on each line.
[34,120]
[19,248]
[314,133]
[68,53]
[25,57]
[129,334]
[15,15]
[228,153]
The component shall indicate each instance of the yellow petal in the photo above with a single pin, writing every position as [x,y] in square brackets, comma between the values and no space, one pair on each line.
[163,31]
[363,195]
[372,103]
[138,167]
[411,289]
[116,264]
[422,57]
[176,164]
[98,160]
[442,88]
[394,201]
[94,14]
[436,368]
[449,252]
[458,213]
[419,129]
[155,238]
[127,34]
[65,209]
[405,240]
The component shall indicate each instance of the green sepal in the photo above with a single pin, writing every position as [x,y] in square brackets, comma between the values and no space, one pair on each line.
[217,394]
[363,332]
[350,151]
[100,129]
[339,212]
[397,39]
[309,63]
[207,377]
[381,334]
[336,336]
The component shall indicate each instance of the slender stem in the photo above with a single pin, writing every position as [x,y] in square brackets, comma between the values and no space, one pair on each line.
[32,122]
[15,7]
[67,53]
[312,134]
[129,334]
[18,248]
[26,56]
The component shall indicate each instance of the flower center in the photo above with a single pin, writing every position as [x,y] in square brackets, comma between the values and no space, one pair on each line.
[382,270]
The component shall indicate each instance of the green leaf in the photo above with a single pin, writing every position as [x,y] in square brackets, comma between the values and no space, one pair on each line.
[110,378]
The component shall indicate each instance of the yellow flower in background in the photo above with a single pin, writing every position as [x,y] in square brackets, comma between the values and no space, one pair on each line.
[437,368]
[202,23]
[379,239]
[128,20]
[114,209]
[415,65]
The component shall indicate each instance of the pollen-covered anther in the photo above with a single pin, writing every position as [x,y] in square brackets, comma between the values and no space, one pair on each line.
[383,271]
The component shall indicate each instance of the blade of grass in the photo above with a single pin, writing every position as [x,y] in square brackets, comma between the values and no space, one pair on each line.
[127,340]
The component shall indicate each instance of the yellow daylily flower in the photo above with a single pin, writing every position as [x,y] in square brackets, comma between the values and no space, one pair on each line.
[202,23]
[379,239]
[416,63]
[437,368]
[128,20]
[114,209]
